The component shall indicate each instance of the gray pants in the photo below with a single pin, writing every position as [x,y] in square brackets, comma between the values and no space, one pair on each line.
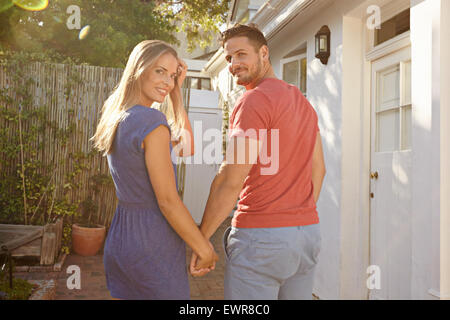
[270,263]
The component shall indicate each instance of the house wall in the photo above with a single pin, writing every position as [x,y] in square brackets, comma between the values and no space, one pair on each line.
[341,97]
[355,162]
[445,150]
[425,145]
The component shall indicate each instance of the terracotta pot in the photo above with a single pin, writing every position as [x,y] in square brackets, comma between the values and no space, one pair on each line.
[87,241]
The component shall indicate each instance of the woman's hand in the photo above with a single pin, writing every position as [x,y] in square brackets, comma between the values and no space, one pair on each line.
[175,94]
[182,71]
[208,260]
[198,267]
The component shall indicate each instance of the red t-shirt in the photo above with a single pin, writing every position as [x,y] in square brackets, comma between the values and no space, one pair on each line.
[278,191]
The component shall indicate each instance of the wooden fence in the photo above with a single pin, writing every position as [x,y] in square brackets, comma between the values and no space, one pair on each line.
[72,91]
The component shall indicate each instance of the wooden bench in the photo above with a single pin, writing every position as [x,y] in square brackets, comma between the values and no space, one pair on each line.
[43,242]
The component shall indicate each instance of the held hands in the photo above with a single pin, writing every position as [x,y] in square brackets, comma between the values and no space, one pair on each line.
[200,266]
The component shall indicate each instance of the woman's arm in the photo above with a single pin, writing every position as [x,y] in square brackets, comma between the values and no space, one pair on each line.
[162,178]
[186,141]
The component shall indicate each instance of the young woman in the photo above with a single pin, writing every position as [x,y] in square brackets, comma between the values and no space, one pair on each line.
[144,255]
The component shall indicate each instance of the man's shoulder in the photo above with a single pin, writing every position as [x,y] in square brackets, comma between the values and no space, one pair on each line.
[257,96]
[273,89]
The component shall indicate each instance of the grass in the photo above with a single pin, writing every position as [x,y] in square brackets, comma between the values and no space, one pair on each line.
[22,289]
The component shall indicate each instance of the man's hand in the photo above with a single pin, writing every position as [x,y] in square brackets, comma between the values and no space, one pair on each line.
[195,270]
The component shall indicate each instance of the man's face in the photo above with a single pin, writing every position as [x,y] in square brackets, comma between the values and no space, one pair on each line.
[244,61]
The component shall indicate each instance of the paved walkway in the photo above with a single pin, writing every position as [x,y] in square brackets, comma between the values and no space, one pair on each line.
[93,281]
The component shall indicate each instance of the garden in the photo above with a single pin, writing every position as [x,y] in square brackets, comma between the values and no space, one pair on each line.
[55,189]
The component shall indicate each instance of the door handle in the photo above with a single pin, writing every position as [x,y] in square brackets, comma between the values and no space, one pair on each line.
[374,175]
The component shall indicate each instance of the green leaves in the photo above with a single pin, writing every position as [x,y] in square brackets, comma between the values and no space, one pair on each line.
[199,19]
[115,27]
[5,5]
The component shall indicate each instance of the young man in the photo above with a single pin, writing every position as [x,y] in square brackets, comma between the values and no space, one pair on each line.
[272,247]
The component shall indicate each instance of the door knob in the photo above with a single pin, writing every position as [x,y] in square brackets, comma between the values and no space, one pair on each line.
[374,175]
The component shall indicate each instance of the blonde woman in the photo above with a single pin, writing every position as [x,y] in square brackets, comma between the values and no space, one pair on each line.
[144,255]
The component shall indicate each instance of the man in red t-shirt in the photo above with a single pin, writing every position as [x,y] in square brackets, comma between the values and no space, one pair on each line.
[274,164]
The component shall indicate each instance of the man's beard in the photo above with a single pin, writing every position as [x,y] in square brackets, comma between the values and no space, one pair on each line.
[245,80]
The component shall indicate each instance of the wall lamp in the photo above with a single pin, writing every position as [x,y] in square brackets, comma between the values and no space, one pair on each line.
[323,44]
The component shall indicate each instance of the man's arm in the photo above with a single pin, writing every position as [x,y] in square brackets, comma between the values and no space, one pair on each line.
[318,168]
[228,182]
[241,155]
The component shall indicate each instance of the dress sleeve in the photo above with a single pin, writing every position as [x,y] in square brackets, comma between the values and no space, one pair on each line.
[147,122]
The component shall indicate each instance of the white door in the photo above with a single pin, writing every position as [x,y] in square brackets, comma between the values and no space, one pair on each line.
[199,176]
[390,209]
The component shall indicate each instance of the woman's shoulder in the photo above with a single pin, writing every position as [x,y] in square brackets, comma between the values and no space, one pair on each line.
[139,113]
[144,111]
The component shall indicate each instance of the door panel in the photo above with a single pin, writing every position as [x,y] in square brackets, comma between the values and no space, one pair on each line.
[390,208]
[387,130]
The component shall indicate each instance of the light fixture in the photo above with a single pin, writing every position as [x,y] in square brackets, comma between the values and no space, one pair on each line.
[323,44]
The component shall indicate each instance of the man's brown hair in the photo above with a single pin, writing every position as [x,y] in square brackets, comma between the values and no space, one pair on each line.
[251,31]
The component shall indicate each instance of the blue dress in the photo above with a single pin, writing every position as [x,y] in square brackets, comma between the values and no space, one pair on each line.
[144,258]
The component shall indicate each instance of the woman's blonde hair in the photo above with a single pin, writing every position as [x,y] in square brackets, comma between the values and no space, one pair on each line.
[127,94]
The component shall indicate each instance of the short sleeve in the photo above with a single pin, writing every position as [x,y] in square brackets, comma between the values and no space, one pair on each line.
[147,121]
[251,113]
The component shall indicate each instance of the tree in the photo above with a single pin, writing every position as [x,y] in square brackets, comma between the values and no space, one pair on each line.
[116,26]
[199,19]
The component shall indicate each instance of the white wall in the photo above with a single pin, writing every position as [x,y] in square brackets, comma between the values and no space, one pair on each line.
[204,99]
[355,163]
[425,145]
[445,149]
[339,101]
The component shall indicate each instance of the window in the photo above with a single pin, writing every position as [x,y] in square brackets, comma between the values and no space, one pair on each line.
[294,71]
[393,109]
[200,83]
[393,27]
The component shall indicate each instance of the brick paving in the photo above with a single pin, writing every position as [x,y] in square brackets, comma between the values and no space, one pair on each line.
[93,281]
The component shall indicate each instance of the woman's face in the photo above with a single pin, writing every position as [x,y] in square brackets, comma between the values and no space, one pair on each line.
[159,79]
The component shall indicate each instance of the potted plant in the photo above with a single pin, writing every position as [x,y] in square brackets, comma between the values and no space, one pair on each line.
[87,235]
